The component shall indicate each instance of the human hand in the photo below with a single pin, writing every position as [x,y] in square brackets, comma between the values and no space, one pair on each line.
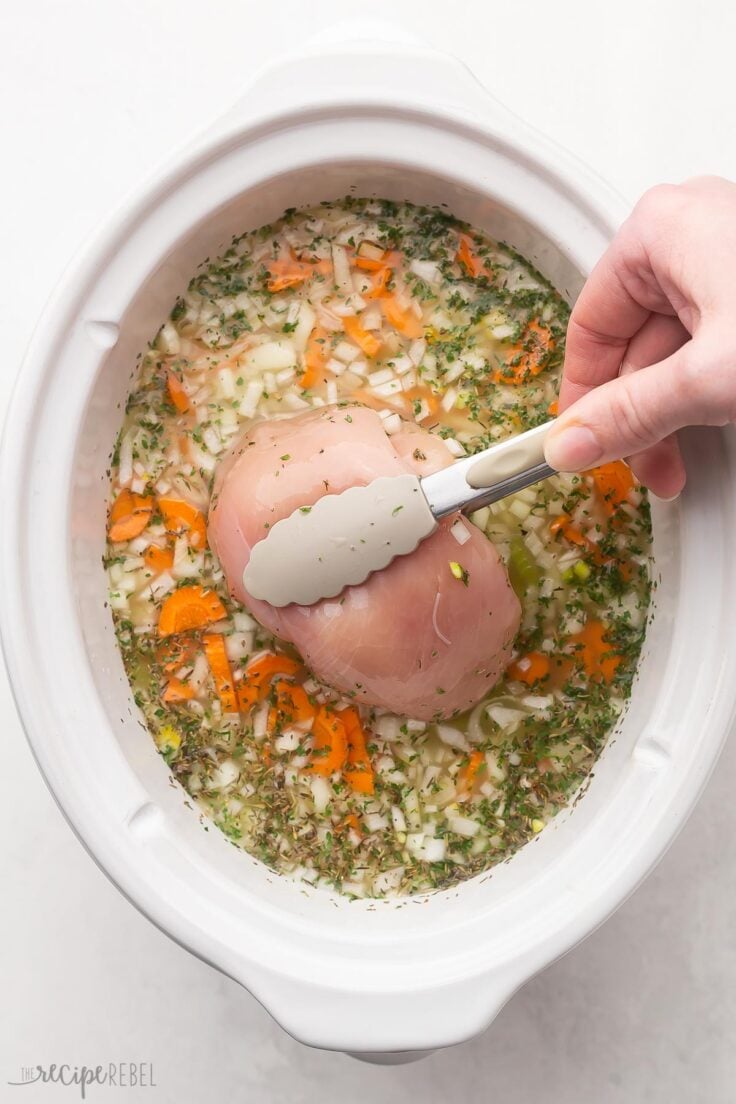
[651,345]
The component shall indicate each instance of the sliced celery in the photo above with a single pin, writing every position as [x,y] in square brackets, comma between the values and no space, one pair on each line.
[524,571]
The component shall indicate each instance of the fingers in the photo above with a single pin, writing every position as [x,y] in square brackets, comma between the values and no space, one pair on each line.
[627,285]
[614,305]
[659,337]
[660,467]
[626,416]
[674,257]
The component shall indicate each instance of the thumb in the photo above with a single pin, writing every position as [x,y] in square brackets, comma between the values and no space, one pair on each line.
[633,412]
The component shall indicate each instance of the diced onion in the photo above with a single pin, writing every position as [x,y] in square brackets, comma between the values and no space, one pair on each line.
[538,701]
[168,339]
[462,825]
[375,822]
[243,621]
[238,645]
[288,740]
[454,447]
[454,373]
[346,352]
[390,387]
[449,398]
[425,270]
[211,439]
[335,366]
[341,267]
[451,736]
[383,375]
[417,349]
[270,357]
[321,792]
[224,775]
[371,319]
[252,397]
[398,819]
[125,462]
[506,719]
[460,532]
[304,326]
[226,383]
[401,365]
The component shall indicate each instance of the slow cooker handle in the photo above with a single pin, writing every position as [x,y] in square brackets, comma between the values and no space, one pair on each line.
[385,1027]
[363,61]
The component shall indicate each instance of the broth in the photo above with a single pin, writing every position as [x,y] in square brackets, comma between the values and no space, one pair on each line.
[426,321]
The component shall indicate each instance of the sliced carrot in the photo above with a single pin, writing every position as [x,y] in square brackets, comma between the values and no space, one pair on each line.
[553,408]
[182,517]
[467,257]
[599,659]
[361,781]
[315,357]
[287,273]
[177,691]
[216,652]
[381,281]
[359,771]
[330,743]
[264,668]
[189,607]
[291,705]
[295,702]
[282,281]
[177,394]
[389,259]
[248,696]
[368,342]
[405,321]
[158,559]
[563,524]
[176,652]
[351,821]
[129,516]
[529,357]
[466,775]
[530,668]
[292,271]
[613,482]
[369,264]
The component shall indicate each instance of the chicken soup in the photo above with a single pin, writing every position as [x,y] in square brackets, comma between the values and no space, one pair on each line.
[421,727]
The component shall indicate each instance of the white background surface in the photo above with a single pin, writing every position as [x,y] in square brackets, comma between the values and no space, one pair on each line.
[93,94]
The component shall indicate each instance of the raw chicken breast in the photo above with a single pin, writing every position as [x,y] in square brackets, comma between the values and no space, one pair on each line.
[412,638]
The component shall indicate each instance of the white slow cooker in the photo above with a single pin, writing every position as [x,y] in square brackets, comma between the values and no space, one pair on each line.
[371,978]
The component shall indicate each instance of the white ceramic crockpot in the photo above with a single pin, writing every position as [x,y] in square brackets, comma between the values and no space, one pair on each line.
[365,977]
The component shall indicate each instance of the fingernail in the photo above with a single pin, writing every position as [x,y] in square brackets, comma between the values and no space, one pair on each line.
[572,449]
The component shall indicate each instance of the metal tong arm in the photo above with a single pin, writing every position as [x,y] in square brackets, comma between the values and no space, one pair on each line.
[491,475]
